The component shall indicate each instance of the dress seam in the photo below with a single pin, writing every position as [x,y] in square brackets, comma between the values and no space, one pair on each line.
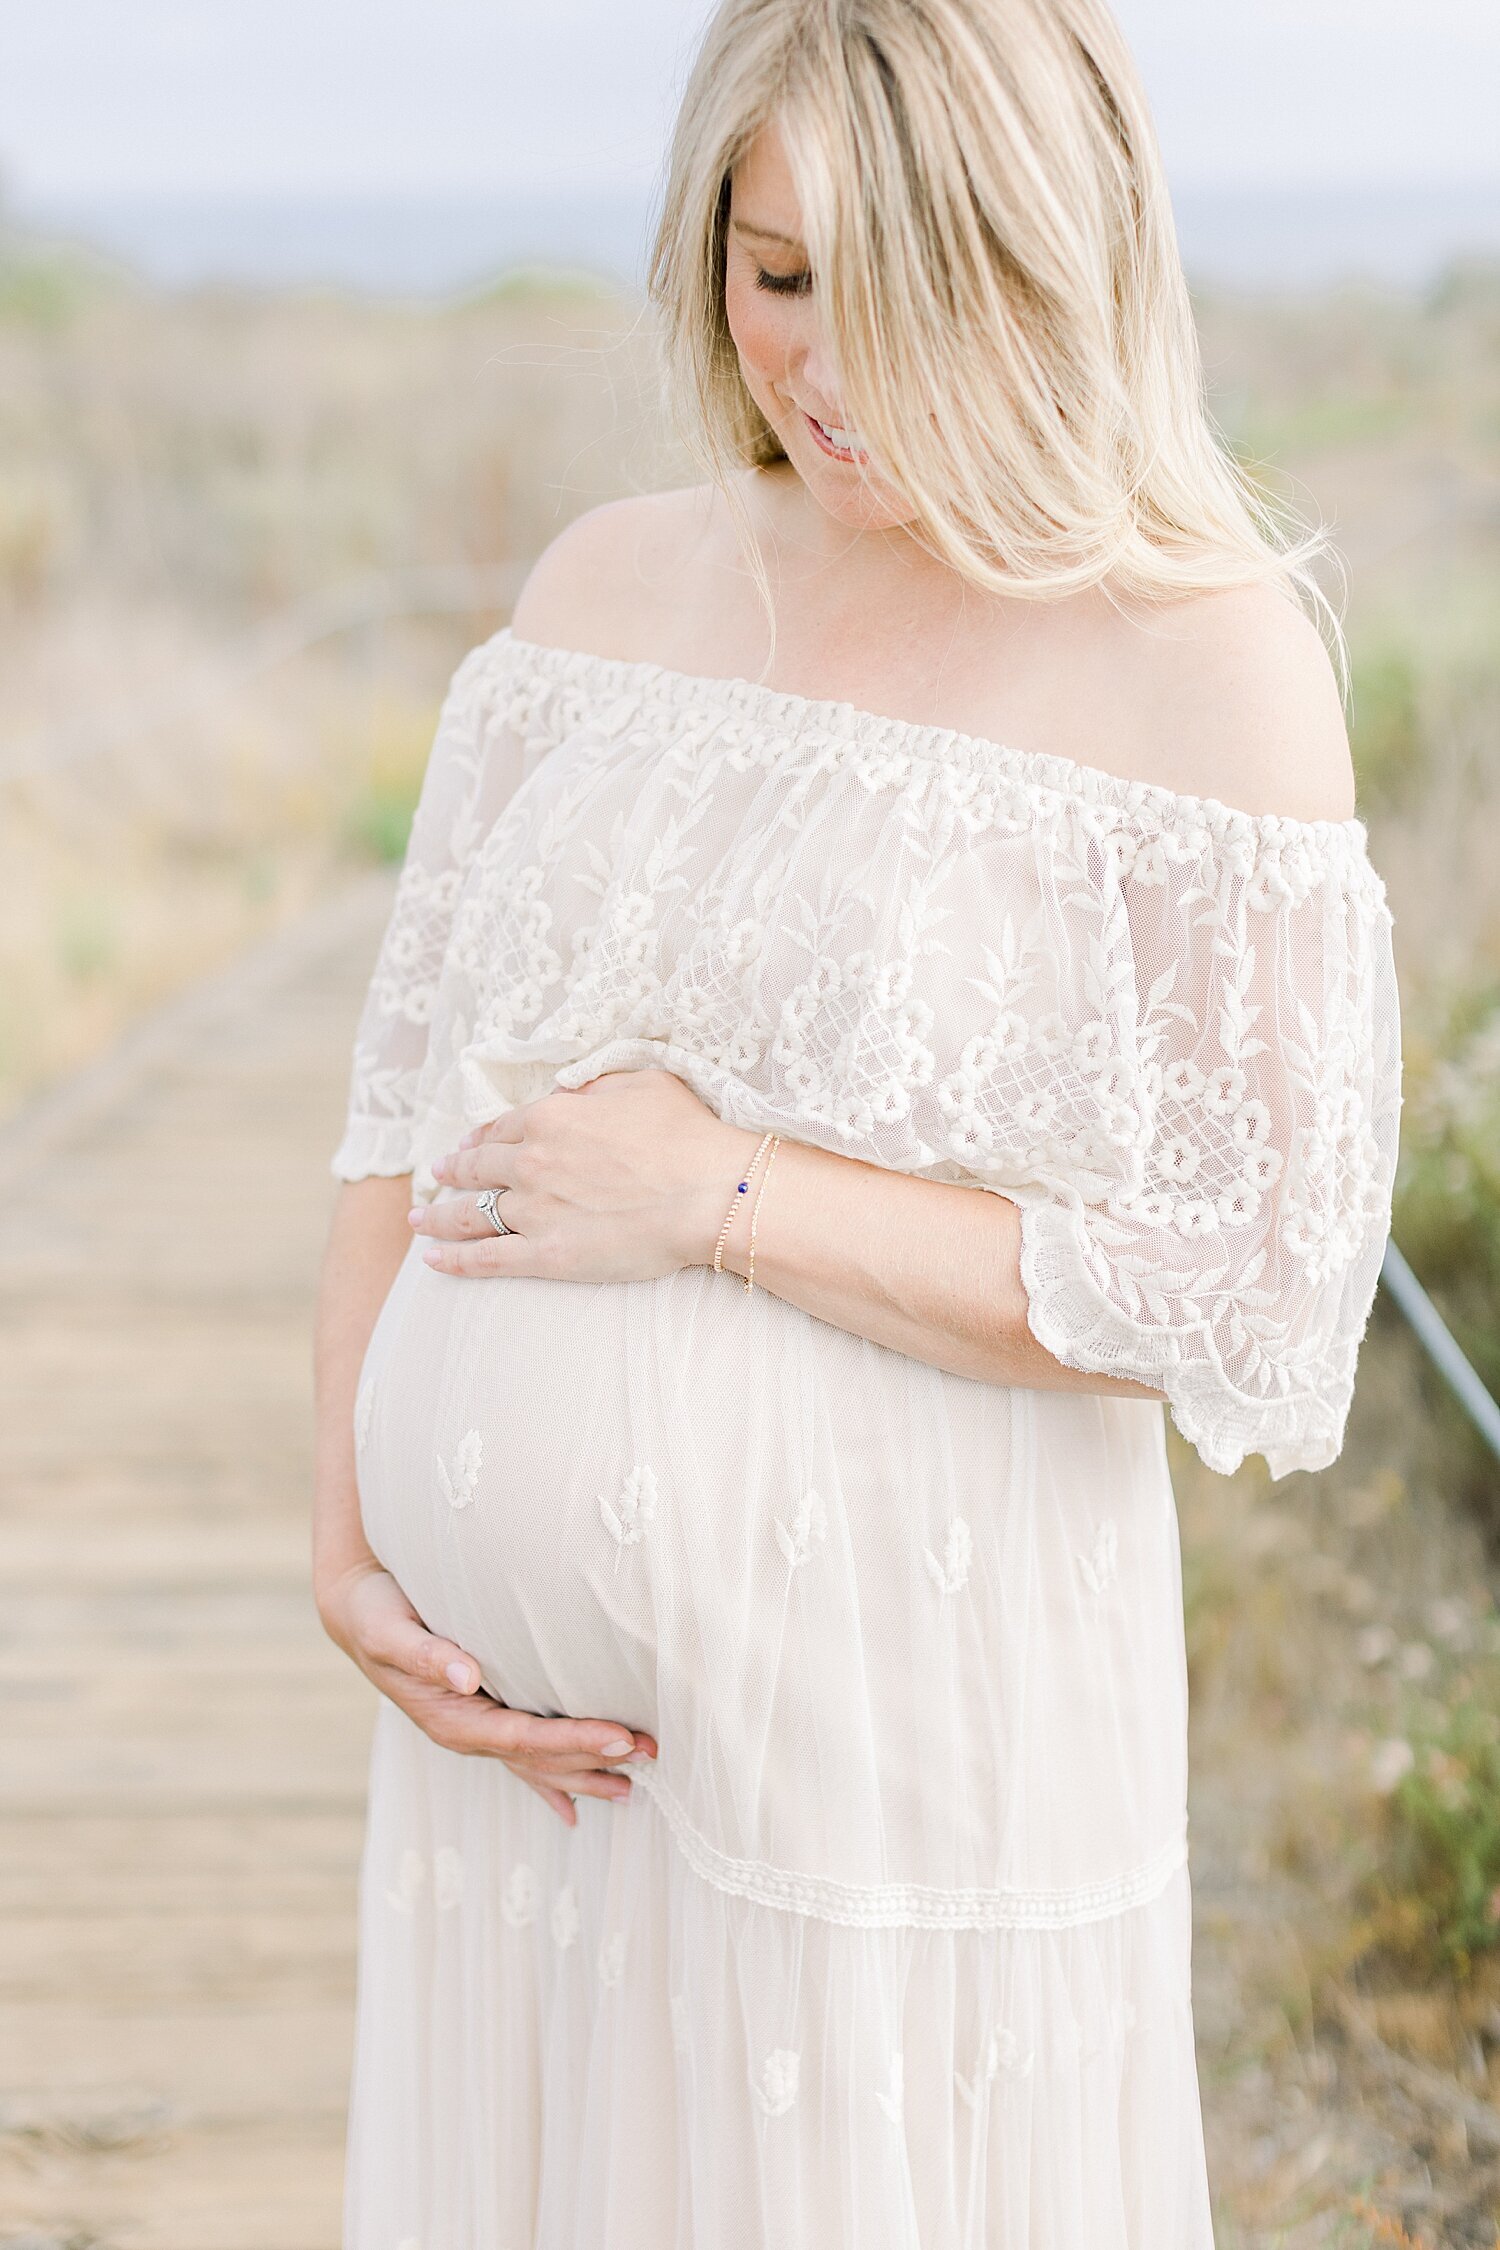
[912,1905]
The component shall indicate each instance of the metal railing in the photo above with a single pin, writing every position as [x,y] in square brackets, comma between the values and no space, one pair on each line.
[458,589]
[1437,1340]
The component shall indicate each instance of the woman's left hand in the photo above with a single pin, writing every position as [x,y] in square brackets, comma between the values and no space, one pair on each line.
[625,1178]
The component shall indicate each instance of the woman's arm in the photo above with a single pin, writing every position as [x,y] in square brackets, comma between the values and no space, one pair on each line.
[629,1176]
[924,1267]
[367,1240]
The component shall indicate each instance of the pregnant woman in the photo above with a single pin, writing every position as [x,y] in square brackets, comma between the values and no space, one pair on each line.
[886,994]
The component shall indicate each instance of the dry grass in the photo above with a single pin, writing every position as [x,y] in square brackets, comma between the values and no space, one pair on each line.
[174,472]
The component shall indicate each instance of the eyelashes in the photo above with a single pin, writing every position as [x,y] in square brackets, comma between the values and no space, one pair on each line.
[783,284]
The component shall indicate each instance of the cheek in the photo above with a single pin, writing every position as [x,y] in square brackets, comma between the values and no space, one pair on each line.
[758,334]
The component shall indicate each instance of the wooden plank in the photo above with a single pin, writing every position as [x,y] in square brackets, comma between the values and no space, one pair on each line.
[182,1755]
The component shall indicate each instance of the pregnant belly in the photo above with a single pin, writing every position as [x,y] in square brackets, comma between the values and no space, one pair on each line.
[851,1595]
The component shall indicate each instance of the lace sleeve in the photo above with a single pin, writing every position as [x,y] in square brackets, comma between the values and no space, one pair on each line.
[461,792]
[1232,1258]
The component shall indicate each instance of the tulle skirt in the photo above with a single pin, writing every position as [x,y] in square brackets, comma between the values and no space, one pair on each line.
[570,2039]
[890,1948]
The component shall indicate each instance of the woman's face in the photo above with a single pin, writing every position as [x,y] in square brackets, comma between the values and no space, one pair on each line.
[771,305]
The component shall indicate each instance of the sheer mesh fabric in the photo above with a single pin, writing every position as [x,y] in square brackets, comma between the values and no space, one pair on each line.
[892,1945]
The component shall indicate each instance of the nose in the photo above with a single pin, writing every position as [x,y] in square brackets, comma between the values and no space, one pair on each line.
[819,376]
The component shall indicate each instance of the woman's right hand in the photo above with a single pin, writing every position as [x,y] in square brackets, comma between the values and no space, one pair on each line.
[436,1684]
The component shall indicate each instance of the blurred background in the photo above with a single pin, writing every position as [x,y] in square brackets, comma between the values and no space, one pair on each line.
[316,322]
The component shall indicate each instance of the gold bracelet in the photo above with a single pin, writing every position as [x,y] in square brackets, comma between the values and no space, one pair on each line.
[743,1188]
[755,1214]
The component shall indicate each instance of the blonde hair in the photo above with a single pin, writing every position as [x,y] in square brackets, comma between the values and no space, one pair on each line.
[987,218]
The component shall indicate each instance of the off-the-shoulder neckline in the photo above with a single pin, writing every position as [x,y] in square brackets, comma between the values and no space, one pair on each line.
[920,738]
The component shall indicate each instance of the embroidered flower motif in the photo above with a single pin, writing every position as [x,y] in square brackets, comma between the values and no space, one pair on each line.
[519,1900]
[778,2081]
[892,2101]
[460,1481]
[364,1408]
[810,1522]
[1098,1565]
[951,1575]
[612,1959]
[634,1509]
[1001,2051]
[1209,1153]
[410,1877]
[565,1917]
[448,1876]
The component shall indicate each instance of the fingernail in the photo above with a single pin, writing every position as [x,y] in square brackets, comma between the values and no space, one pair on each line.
[617,1749]
[639,1758]
[432,1255]
[460,1675]
[413,1216]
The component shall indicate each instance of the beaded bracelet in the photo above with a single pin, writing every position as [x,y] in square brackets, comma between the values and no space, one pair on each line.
[743,1188]
[755,1213]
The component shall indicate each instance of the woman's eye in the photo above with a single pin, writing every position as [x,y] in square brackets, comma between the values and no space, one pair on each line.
[783,284]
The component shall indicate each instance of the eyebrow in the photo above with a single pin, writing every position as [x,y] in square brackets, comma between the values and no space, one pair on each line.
[766,234]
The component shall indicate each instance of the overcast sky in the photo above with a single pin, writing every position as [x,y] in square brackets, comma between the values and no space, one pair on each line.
[454,96]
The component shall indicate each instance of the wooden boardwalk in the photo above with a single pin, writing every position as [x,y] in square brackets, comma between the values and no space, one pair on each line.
[182,1754]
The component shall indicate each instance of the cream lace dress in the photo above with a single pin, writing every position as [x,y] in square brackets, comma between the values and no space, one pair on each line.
[890,1950]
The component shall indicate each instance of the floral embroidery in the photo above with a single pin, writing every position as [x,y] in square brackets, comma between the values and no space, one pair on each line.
[410,1877]
[778,2081]
[448,1876]
[1098,1565]
[634,1509]
[565,1917]
[1167,1029]
[520,1897]
[460,1481]
[951,1575]
[892,2101]
[810,1522]
[1001,2051]
[364,1408]
[612,1959]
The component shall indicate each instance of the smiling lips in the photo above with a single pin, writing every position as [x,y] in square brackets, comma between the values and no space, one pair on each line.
[839,444]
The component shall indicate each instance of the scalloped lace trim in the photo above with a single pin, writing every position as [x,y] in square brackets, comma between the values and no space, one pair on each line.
[374,1148]
[1071,1319]
[913,1906]
[1036,769]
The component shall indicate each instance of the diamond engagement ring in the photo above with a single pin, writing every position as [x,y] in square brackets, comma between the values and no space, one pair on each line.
[489,1206]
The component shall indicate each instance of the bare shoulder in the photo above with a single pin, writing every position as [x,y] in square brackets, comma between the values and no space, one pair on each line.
[1236,694]
[612,580]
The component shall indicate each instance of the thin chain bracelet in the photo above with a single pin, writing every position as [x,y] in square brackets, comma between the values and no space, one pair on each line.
[743,1188]
[755,1213]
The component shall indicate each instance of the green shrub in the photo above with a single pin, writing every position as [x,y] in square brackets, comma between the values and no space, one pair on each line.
[379,819]
[1386,730]
[1433,1896]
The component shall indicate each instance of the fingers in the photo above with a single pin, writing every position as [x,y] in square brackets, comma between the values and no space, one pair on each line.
[498,1254]
[542,1745]
[405,1646]
[561,1803]
[456,1219]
